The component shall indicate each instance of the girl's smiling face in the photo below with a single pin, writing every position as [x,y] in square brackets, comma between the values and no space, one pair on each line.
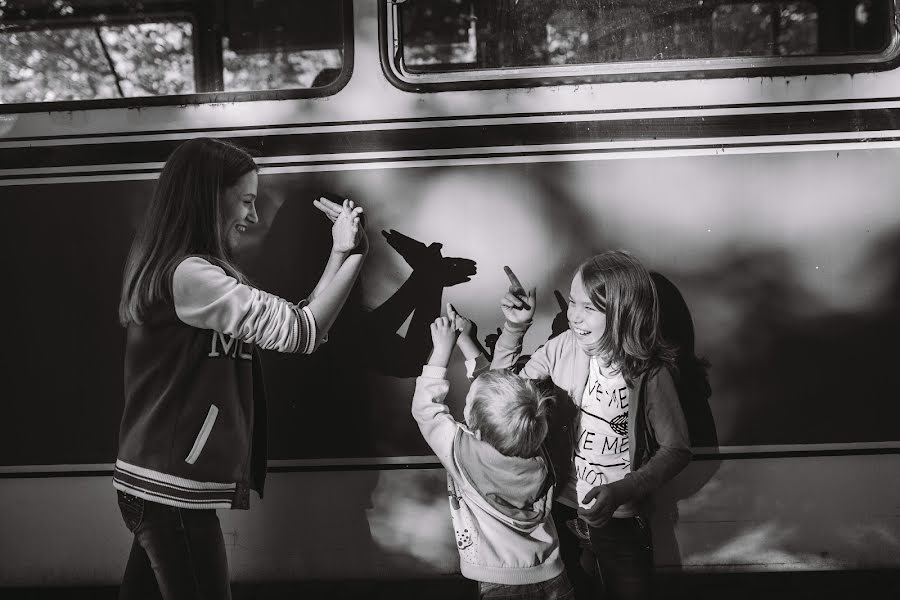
[239,210]
[586,321]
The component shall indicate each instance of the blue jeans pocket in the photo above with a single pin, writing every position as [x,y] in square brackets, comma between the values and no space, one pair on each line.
[132,509]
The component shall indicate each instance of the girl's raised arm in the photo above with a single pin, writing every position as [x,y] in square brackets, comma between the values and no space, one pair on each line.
[518,308]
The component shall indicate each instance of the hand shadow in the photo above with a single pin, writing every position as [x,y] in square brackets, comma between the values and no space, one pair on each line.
[388,352]
[428,262]
[561,320]
[490,342]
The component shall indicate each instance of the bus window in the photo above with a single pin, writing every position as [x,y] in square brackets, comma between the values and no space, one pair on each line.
[59,50]
[533,37]
[273,44]
[87,61]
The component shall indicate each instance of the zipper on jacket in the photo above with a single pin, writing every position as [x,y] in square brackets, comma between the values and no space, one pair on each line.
[200,442]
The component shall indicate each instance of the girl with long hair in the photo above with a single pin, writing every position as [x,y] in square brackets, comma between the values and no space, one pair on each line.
[618,430]
[193,433]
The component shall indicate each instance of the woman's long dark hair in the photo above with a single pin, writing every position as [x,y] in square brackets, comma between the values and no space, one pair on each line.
[619,285]
[183,219]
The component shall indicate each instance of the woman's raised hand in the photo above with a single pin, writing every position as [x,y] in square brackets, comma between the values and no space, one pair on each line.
[347,231]
[517,304]
[362,243]
[332,210]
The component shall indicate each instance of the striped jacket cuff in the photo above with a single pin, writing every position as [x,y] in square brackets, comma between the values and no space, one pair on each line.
[303,333]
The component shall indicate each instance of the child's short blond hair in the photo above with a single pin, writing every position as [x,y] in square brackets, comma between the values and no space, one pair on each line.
[509,411]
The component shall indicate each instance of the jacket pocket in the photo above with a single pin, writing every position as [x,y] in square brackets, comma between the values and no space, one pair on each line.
[200,442]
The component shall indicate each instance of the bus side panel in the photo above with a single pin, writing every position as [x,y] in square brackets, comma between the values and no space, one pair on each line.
[781,268]
[741,515]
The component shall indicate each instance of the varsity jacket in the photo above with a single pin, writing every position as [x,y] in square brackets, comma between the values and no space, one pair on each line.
[658,441]
[499,505]
[193,429]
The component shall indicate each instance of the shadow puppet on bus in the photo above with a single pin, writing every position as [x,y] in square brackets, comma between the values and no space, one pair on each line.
[342,401]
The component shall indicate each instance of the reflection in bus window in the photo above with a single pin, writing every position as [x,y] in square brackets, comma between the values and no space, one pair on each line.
[58,50]
[273,44]
[277,69]
[492,34]
[83,63]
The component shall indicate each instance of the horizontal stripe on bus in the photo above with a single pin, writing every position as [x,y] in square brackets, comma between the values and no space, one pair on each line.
[88,174]
[474,136]
[865,136]
[614,114]
[430,462]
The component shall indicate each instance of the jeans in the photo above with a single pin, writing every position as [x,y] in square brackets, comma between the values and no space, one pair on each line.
[624,552]
[619,565]
[557,588]
[176,554]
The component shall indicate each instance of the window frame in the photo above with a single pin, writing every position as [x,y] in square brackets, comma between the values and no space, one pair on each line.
[669,70]
[197,98]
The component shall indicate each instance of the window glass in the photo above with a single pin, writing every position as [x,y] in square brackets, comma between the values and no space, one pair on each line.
[274,44]
[100,61]
[279,69]
[493,34]
[60,50]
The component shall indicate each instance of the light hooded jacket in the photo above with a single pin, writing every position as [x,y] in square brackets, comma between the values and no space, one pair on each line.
[658,440]
[499,505]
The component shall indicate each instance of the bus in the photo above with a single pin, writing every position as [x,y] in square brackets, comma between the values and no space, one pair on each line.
[747,152]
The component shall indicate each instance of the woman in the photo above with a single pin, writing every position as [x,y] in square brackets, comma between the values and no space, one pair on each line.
[192,436]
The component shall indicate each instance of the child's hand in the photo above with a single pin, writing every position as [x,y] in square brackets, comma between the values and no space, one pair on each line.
[517,304]
[443,335]
[463,325]
[601,511]
[468,333]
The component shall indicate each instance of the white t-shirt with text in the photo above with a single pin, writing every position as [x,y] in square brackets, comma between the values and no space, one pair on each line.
[601,449]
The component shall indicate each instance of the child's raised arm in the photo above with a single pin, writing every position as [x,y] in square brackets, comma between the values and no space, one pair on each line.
[518,310]
[476,363]
[443,335]
[517,304]
[437,425]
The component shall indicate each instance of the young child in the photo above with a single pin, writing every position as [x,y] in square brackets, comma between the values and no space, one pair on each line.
[624,433]
[499,480]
